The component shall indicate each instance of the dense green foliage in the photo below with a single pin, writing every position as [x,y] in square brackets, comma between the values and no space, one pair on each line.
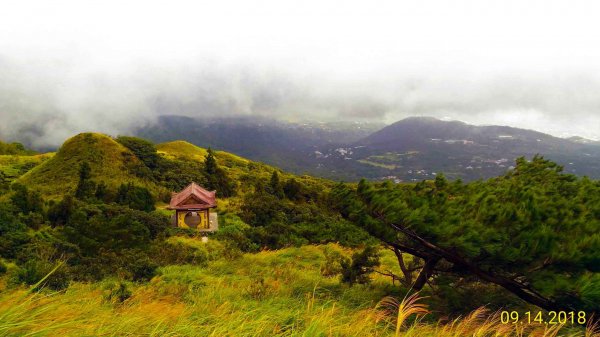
[359,268]
[277,221]
[176,173]
[135,197]
[95,240]
[102,229]
[534,231]
[4,182]
[14,149]
[144,150]
[86,186]
[24,200]
[13,234]
[173,174]
[216,178]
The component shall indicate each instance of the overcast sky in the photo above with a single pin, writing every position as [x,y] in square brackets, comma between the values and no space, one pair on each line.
[72,66]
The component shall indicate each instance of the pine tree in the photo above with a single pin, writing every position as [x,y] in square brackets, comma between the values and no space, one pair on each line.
[216,178]
[275,186]
[85,187]
[3,182]
[60,212]
[362,264]
[534,231]
[135,197]
[210,163]
[26,201]
[101,191]
[85,171]
[292,189]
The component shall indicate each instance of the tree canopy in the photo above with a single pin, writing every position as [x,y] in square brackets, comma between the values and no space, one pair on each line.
[534,231]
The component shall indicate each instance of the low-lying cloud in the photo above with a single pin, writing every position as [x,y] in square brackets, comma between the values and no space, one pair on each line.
[69,66]
[43,102]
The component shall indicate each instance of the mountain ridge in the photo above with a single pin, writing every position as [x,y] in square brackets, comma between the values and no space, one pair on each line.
[411,149]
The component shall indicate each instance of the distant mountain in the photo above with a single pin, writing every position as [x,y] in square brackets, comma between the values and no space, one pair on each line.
[418,148]
[582,140]
[286,145]
[412,149]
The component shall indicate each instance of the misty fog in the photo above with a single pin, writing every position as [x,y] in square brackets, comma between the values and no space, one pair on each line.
[67,68]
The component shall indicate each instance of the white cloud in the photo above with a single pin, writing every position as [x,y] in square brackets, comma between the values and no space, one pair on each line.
[110,65]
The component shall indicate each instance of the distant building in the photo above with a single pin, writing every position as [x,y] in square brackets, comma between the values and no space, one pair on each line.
[192,208]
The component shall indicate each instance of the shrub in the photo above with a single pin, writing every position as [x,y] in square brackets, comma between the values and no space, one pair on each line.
[86,186]
[257,289]
[140,267]
[357,269]
[106,228]
[116,292]
[233,231]
[293,190]
[4,182]
[60,212]
[143,149]
[135,197]
[33,271]
[13,234]
[173,252]
[334,258]
[24,200]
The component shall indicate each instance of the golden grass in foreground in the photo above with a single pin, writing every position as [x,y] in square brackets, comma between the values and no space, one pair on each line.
[272,293]
[479,323]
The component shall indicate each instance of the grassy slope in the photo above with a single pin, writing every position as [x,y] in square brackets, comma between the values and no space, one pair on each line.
[224,298]
[236,166]
[272,293]
[107,158]
[56,174]
[182,150]
[13,165]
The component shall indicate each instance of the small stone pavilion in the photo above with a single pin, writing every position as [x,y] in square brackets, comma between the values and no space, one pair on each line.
[192,208]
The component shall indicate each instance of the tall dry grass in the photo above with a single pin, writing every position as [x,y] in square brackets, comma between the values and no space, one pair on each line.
[279,293]
[479,323]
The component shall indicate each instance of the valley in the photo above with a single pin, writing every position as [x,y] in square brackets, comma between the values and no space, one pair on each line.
[410,150]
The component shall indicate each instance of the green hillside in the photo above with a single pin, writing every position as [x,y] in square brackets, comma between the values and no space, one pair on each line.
[14,166]
[15,161]
[181,149]
[14,149]
[240,169]
[54,175]
[184,151]
[110,162]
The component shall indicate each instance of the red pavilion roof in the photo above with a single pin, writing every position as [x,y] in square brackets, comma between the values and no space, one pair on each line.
[193,197]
